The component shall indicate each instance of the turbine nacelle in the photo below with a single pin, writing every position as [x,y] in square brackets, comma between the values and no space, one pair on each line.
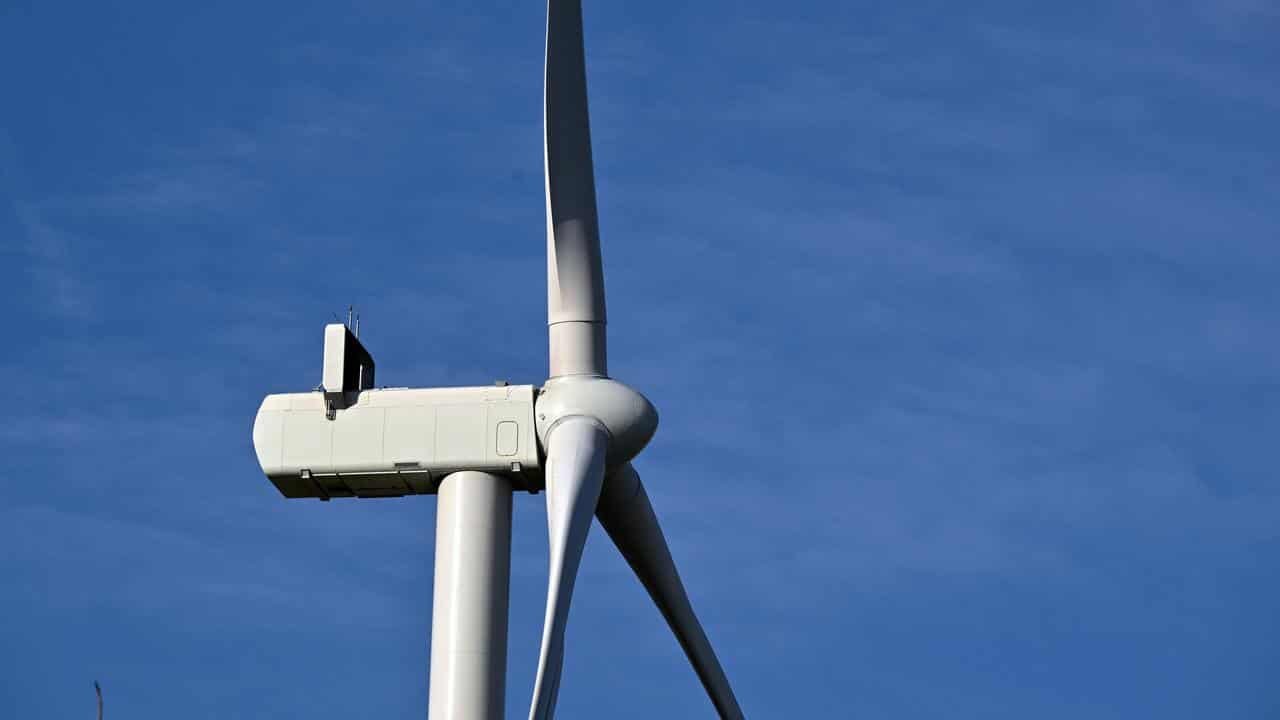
[348,439]
[396,441]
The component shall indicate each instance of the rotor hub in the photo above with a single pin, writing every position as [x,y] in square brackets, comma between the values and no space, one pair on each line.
[627,416]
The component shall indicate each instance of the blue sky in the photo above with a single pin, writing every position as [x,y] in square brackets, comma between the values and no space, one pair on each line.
[961,320]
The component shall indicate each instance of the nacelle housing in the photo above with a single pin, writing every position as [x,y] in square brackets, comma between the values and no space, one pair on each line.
[396,441]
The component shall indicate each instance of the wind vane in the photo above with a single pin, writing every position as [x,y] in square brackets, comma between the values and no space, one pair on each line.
[574,436]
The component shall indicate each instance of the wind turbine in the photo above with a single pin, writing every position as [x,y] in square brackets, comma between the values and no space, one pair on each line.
[574,436]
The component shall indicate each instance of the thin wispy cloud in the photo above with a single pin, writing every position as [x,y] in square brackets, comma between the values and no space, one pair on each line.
[959,322]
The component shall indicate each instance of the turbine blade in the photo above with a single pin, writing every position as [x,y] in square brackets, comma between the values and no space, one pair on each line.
[626,514]
[575,473]
[575,278]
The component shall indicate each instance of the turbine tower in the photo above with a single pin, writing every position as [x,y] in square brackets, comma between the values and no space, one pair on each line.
[574,437]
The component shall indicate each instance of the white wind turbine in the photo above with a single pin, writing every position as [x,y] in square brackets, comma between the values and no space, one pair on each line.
[575,436]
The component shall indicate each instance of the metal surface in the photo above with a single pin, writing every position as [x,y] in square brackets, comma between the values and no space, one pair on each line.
[396,441]
[348,366]
[469,610]
[628,417]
